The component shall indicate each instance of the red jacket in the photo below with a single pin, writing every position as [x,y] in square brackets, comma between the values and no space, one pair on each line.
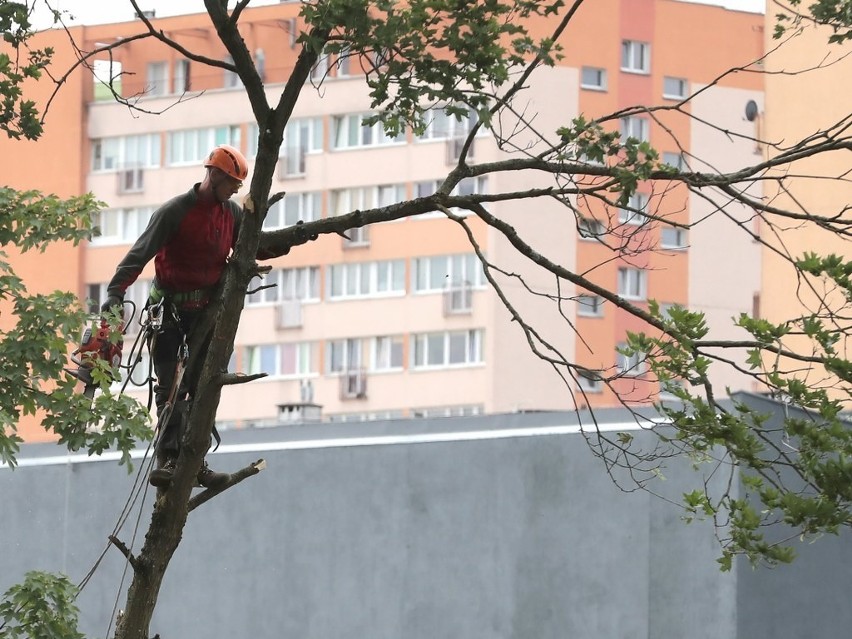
[190,241]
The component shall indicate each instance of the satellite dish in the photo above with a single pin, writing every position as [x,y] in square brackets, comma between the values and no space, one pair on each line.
[751,110]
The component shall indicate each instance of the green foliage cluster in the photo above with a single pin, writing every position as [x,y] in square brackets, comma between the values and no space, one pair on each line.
[836,14]
[798,473]
[41,606]
[18,116]
[34,346]
[431,51]
[630,160]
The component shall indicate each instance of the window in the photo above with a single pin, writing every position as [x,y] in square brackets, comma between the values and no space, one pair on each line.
[298,359]
[634,126]
[286,284]
[343,355]
[292,208]
[466,187]
[158,78]
[137,293]
[675,88]
[349,131]
[673,238]
[231,79]
[345,201]
[631,364]
[634,213]
[447,349]
[366,279]
[191,146]
[122,226]
[301,136]
[448,411]
[180,81]
[675,160]
[343,62]
[589,381]
[319,70]
[107,78]
[260,64]
[386,353]
[632,283]
[635,56]
[589,228]
[441,272]
[290,359]
[112,154]
[590,306]
[593,78]
[442,126]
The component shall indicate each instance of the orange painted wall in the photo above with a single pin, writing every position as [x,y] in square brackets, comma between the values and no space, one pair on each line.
[691,41]
[53,164]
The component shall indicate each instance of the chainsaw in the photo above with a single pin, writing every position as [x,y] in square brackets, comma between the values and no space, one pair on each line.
[98,343]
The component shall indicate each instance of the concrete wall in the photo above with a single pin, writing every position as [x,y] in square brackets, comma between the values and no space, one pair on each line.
[475,532]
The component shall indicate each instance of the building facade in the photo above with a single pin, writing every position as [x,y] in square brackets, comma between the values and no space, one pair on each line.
[398,320]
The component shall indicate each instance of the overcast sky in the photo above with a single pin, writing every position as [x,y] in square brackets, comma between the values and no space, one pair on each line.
[104,11]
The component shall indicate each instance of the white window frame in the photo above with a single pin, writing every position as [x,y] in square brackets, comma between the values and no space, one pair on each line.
[122,226]
[674,160]
[635,57]
[230,79]
[441,126]
[477,185]
[634,126]
[348,131]
[300,283]
[632,283]
[593,78]
[386,353]
[256,355]
[681,86]
[589,305]
[350,353]
[117,153]
[292,208]
[343,63]
[353,280]
[589,381]
[185,147]
[301,137]
[362,198]
[634,215]
[587,229]
[680,242]
[630,365]
[157,78]
[438,273]
[181,77]
[305,358]
[423,357]
[319,71]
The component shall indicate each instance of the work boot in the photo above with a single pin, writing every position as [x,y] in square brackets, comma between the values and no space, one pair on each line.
[208,478]
[161,477]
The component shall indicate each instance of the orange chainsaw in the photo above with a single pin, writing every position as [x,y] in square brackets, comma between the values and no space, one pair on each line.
[97,343]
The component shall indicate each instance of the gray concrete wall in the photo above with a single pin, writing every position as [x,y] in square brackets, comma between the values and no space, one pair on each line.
[521,537]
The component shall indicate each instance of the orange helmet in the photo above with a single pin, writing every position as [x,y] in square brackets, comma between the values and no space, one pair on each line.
[229,160]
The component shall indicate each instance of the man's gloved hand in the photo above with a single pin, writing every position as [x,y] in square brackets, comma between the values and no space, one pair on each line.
[113,301]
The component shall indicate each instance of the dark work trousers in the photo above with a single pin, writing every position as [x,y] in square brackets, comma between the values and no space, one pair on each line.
[165,355]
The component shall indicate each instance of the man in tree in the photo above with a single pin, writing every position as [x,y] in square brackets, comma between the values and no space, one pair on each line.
[190,238]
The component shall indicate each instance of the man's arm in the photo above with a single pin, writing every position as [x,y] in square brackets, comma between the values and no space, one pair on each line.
[161,226]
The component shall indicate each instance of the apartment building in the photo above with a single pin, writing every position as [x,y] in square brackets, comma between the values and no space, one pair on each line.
[802,99]
[398,319]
